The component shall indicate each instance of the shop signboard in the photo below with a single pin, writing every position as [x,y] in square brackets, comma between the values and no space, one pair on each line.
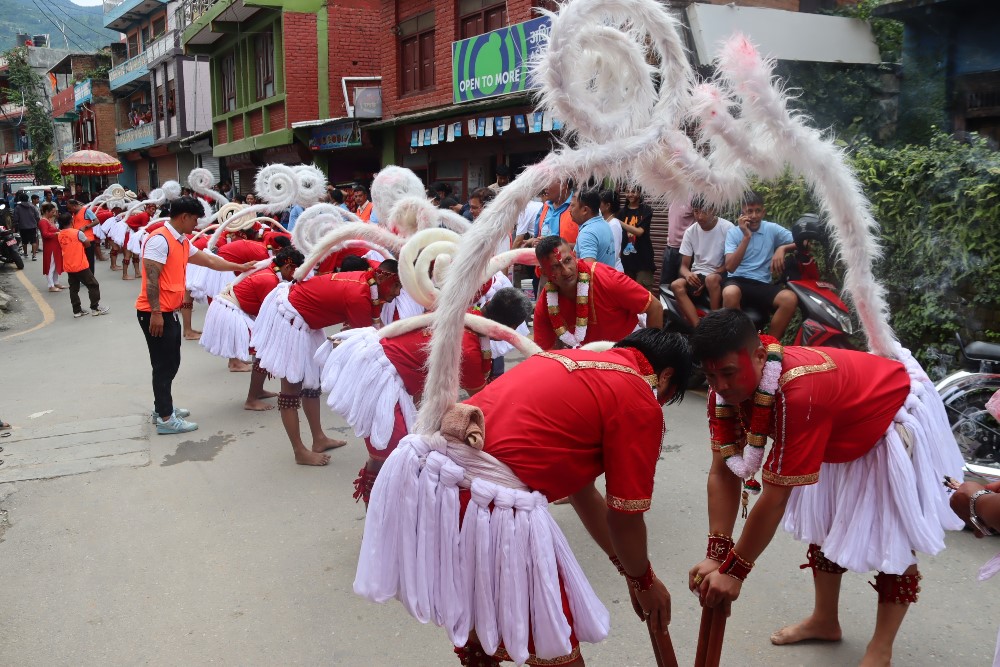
[497,62]
[83,92]
[335,135]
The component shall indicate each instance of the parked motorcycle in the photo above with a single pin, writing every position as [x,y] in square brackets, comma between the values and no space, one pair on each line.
[826,319]
[965,394]
[10,243]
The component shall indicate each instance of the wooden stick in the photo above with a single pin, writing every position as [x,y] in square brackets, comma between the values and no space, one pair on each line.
[717,631]
[663,647]
[704,630]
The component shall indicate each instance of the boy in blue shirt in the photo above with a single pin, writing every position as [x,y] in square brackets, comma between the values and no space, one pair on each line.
[594,243]
[754,250]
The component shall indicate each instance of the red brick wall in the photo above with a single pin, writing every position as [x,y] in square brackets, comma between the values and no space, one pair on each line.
[354,32]
[220,131]
[105,127]
[166,168]
[237,128]
[257,122]
[277,116]
[445,32]
[301,72]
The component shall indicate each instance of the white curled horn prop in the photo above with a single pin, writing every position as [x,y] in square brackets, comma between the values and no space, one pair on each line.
[310,184]
[202,232]
[171,189]
[427,246]
[259,266]
[390,185]
[412,214]
[364,243]
[505,260]
[224,219]
[341,234]
[156,196]
[316,221]
[201,180]
[477,323]
[278,188]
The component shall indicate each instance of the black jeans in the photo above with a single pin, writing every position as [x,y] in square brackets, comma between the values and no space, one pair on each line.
[164,357]
[87,278]
[89,251]
[671,268]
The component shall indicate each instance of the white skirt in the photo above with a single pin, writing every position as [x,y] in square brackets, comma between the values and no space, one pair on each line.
[226,332]
[363,385]
[499,574]
[870,514]
[135,241]
[403,305]
[284,343]
[117,231]
[204,283]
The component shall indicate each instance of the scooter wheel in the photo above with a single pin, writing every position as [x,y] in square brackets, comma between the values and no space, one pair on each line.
[19,262]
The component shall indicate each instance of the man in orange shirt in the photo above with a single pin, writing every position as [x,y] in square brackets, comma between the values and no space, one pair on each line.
[583,303]
[362,198]
[165,256]
[85,220]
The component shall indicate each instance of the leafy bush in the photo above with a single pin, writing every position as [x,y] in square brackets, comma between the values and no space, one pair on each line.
[939,210]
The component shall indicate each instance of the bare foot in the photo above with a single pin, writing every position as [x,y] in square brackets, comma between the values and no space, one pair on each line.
[237,366]
[125,277]
[307,458]
[326,444]
[54,289]
[267,394]
[561,501]
[192,335]
[60,286]
[807,629]
[257,405]
[876,658]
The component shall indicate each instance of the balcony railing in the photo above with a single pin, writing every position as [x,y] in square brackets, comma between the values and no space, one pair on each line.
[190,11]
[10,112]
[137,67]
[119,14]
[135,138]
[20,158]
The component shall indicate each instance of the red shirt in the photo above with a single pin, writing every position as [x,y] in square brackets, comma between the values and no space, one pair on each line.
[252,290]
[242,251]
[138,220]
[103,214]
[559,428]
[832,406]
[408,353]
[268,239]
[615,303]
[332,263]
[324,301]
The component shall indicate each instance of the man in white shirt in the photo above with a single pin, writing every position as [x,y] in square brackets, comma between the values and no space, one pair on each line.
[703,261]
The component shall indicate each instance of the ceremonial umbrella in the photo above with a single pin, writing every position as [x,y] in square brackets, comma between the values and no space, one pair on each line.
[90,163]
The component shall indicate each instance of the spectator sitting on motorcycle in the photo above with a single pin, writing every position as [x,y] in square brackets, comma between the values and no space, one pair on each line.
[703,261]
[754,250]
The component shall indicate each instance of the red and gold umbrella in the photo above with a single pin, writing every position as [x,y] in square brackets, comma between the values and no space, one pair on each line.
[91,163]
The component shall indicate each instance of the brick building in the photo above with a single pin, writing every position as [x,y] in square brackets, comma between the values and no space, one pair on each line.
[283,83]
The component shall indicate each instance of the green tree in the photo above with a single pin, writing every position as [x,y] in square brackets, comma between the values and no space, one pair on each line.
[26,83]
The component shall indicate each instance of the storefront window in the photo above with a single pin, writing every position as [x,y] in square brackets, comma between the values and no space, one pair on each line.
[416,53]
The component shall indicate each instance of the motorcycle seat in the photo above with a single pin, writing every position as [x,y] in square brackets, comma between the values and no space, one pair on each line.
[980,351]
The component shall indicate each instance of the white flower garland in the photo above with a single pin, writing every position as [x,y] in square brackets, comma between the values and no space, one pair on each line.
[747,464]
[575,339]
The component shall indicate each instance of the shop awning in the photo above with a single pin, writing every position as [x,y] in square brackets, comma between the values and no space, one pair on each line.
[782,35]
[465,108]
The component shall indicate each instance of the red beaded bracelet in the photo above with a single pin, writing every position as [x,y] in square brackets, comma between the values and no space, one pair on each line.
[719,546]
[618,565]
[736,566]
[643,583]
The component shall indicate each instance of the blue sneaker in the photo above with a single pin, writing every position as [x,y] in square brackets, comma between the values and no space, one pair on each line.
[180,412]
[174,425]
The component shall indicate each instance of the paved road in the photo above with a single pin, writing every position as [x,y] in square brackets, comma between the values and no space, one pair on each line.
[222,551]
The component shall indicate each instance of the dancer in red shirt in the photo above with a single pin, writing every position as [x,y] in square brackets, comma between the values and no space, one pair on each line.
[582,303]
[289,330]
[861,444]
[396,366]
[522,591]
[231,314]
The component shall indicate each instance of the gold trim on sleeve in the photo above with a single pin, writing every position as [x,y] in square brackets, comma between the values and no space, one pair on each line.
[572,365]
[793,480]
[622,505]
[797,372]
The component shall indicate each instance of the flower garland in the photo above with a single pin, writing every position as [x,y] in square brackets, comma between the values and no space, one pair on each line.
[744,461]
[575,339]
[377,302]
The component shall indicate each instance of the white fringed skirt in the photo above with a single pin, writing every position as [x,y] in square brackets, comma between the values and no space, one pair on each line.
[284,343]
[870,514]
[401,307]
[205,283]
[501,573]
[226,332]
[135,241]
[363,385]
[117,230]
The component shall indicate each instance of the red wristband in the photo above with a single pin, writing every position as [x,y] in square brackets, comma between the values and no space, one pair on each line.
[643,583]
[719,546]
[736,566]
[618,565]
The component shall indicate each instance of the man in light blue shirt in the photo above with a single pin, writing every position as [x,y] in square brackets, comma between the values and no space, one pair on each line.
[754,250]
[595,242]
[293,216]
[559,196]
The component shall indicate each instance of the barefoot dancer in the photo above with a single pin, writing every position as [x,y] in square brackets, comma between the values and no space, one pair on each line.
[231,313]
[289,330]
[860,446]
[397,366]
[244,246]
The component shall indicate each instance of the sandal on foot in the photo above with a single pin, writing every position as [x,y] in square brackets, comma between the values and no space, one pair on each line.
[4,426]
